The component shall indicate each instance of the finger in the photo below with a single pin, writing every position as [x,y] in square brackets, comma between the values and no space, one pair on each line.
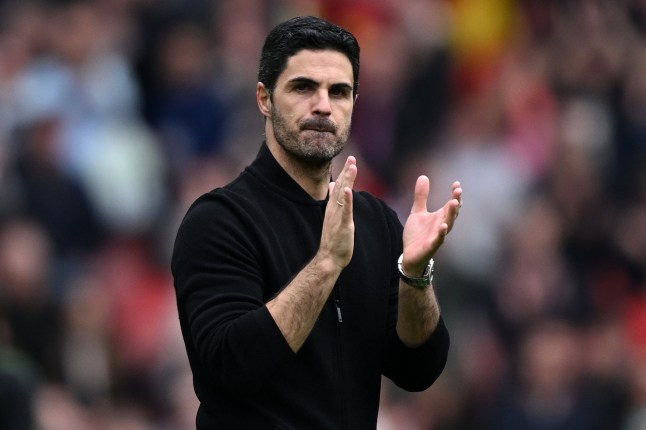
[346,179]
[451,211]
[347,204]
[350,173]
[455,186]
[453,207]
[422,188]
[444,230]
[331,187]
[457,192]
[336,196]
[457,196]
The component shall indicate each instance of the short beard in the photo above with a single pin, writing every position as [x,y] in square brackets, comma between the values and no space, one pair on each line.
[312,152]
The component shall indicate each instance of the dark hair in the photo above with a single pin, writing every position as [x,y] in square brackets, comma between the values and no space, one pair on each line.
[309,32]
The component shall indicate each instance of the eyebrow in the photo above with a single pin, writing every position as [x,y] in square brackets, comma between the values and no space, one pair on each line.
[305,80]
[302,80]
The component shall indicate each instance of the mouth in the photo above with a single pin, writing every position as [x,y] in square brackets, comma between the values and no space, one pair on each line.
[319,125]
[318,130]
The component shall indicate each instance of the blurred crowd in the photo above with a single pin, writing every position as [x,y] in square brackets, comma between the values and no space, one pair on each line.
[116,114]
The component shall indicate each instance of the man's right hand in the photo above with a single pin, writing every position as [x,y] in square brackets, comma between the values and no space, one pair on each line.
[337,238]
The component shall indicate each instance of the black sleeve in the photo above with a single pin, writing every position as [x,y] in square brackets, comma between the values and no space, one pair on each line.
[415,369]
[230,336]
[412,369]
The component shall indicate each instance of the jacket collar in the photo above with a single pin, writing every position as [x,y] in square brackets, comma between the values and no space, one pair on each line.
[273,176]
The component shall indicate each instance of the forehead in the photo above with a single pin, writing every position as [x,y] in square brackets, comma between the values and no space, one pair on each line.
[320,65]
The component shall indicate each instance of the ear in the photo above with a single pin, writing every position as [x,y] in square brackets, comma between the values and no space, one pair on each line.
[263,97]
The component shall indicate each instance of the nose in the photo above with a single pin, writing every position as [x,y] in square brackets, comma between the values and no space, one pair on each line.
[321,104]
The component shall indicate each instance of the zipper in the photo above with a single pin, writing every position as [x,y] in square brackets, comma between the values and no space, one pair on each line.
[343,404]
[337,304]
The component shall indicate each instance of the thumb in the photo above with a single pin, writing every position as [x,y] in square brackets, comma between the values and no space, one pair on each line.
[422,188]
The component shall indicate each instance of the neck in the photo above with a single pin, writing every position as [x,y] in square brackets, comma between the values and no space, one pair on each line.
[313,178]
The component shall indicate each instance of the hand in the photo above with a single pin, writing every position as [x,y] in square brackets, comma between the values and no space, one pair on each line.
[425,231]
[337,238]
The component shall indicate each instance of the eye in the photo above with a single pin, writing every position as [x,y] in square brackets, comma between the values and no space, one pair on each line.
[340,91]
[303,87]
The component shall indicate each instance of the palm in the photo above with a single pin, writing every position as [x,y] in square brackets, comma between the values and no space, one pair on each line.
[425,231]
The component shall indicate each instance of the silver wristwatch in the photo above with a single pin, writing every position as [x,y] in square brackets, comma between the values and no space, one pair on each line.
[422,282]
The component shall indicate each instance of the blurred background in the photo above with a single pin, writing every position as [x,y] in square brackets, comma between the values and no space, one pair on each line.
[116,114]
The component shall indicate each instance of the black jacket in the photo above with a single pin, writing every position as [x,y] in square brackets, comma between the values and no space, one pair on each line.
[235,249]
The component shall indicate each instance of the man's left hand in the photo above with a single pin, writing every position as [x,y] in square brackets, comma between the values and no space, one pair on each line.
[424,232]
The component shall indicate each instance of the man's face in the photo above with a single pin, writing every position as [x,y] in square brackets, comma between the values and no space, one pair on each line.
[312,105]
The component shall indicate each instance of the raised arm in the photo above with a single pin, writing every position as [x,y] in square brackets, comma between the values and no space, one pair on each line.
[424,233]
[298,305]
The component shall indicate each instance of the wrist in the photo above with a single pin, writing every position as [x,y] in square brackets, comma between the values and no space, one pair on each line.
[326,264]
[413,270]
[417,278]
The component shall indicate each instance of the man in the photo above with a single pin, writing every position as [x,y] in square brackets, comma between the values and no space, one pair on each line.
[290,299]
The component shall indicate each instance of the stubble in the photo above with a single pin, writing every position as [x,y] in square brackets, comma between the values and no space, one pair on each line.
[314,142]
